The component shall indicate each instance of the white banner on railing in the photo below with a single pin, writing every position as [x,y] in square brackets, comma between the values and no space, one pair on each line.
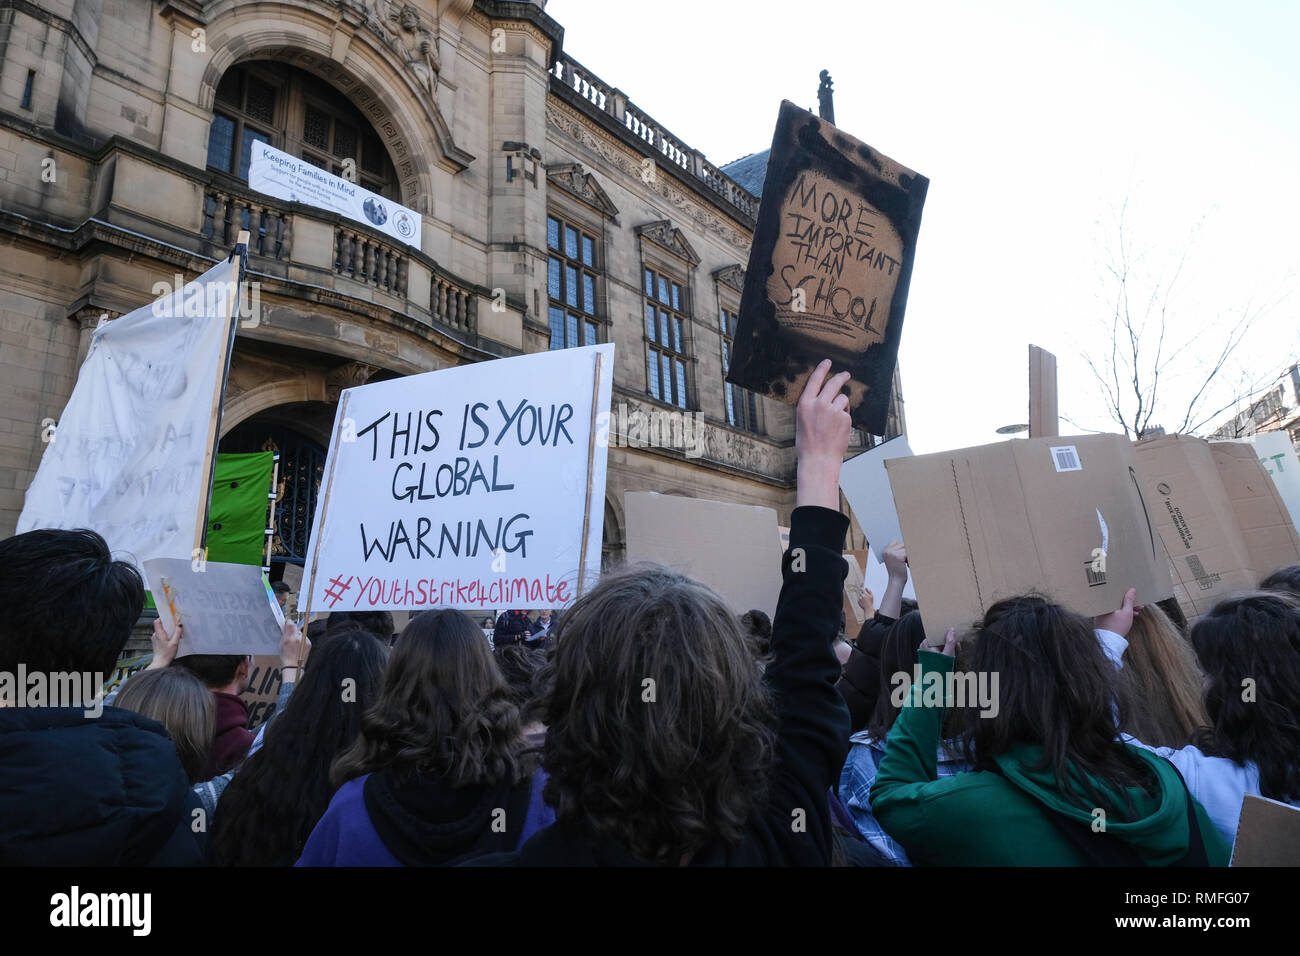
[283,176]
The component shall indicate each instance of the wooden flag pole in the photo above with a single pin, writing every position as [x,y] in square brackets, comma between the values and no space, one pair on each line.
[218,398]
[320,524]
[591,465]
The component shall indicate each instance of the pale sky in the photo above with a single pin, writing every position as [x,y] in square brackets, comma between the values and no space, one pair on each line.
[1034,122]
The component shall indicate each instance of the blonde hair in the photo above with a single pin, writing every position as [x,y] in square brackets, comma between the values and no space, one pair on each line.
[1160,684]
[182,703]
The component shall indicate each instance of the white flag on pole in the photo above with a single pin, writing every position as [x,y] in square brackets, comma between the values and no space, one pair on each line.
[131,455]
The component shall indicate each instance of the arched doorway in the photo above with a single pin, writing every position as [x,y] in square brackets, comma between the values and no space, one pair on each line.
[298,479]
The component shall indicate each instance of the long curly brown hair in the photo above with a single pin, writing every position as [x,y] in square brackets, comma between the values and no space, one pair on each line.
[660,728]
[444,709]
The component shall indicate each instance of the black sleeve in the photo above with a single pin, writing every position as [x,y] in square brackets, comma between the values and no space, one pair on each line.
[812,721]
[873,632]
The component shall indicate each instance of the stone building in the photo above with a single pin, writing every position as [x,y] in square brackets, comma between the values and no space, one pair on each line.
[554,213]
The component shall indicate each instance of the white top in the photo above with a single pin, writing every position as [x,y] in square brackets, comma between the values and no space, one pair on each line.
[1218,783]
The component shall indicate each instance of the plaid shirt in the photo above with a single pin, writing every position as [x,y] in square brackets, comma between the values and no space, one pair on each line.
[856,778]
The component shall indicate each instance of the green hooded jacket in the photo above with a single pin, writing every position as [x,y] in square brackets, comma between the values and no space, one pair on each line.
[987,819]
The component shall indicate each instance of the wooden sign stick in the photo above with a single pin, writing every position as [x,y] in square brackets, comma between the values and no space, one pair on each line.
[591,464]
[324,510]
[218,396]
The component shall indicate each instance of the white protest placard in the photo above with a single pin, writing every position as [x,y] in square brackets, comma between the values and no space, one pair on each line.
[865,484]
[1277,455]
[877,579]
[477,487]
[727,546]
[226,608]
[284,176]
[130,457]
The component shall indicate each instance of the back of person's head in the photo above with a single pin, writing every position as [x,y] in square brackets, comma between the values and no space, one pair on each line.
[180,702]
[268,810]
[1160,683]
[897,656]
[1249,648]
[377,623]
[907,606]
[519,666]
[444,709]
[65,604]
[215,670]
[1283,579]
[659,728]
[1057,691]
[757,626]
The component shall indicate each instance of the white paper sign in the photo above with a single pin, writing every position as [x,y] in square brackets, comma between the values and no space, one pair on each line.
[226,608]
[865,484]
[127,457]
[274,173]
[1277,455]
[877,579]
[464,488]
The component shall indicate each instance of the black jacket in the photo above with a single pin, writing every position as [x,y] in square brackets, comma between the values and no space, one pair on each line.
[92,791]
[793,827]
[512,627]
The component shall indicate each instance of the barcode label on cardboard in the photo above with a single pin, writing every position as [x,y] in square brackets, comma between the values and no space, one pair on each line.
[1095,577]
[1066,458]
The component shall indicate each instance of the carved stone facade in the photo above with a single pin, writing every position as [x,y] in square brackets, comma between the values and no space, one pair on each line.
[459,93]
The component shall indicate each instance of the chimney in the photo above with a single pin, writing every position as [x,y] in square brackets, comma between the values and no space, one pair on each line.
[825,108]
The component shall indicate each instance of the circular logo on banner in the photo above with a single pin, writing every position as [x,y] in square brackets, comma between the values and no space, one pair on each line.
[404,225]
[375,211]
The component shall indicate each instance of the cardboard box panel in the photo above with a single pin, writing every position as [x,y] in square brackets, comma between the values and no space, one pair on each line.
[1268,834]
[996,521]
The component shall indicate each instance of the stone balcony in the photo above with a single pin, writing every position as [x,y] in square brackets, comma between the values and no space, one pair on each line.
[612,109]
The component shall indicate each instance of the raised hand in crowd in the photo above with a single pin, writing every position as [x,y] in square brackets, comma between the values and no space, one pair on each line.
[165,644]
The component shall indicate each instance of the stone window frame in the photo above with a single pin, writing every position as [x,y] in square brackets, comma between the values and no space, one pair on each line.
[594,320]
[741,408]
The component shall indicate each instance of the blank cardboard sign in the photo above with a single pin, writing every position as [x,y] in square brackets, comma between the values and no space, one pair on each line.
[1064,517]
[865,484]
[226,608]
[1219,514]
[1268,834]
[728,547]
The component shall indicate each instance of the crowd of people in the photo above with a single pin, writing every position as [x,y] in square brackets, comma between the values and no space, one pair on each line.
[651,725]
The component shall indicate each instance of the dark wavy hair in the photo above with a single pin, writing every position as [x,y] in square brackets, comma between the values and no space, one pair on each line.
[269,809]
[660,731]
[65,604]
[1056,690]
[1254,637]
[444,710]
[1283,579]
[520,666]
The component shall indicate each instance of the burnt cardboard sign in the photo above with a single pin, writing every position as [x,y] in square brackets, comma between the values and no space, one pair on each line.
[1220,516]
[829,268]
[1063,517]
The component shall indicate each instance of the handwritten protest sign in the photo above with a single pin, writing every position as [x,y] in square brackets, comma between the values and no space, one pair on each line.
[226,608]
[131,455]
[829,268]
[468,488]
